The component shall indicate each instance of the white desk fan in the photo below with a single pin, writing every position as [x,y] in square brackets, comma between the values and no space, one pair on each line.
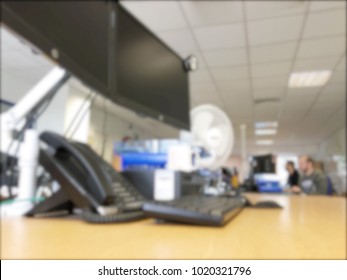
[213,131]
[211,143]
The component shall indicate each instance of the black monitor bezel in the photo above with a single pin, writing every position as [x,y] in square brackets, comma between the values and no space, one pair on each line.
[14,23]
[137,107]
[18,26]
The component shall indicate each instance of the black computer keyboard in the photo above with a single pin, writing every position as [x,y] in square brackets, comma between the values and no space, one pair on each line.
[196,209]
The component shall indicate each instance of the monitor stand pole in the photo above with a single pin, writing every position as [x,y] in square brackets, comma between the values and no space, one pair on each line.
[13,119]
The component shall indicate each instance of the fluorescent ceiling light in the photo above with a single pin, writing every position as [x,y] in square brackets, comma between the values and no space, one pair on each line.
[264,142]
[265,131]
[309,79]
[259,125]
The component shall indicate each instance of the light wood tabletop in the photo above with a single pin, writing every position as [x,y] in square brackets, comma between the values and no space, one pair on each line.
[308,227]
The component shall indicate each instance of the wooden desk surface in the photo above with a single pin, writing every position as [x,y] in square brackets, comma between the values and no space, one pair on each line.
[309,227]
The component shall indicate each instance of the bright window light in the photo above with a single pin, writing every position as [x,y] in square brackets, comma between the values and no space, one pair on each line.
[260,125]
[309,79]
[265,131]
[264,142]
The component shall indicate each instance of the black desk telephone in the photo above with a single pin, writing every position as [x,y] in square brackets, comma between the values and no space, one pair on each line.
[86,182]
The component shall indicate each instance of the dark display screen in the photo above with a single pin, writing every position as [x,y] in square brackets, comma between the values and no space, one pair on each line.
[78,30]
[150,76]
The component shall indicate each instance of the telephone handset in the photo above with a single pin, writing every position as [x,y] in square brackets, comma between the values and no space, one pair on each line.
[86,182]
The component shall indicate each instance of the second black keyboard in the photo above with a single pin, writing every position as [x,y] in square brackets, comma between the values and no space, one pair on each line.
[196,209]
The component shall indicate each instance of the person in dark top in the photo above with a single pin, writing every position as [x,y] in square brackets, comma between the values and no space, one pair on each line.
[311,181]
[293,178]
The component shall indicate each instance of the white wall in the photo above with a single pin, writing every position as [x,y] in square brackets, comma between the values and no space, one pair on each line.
[13,88]
[115,129]
[77,115]
[53,117]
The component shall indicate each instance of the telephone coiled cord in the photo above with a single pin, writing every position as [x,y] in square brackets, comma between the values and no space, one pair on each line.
[94,218]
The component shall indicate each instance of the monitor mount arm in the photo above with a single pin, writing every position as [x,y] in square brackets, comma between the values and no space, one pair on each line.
[15,119]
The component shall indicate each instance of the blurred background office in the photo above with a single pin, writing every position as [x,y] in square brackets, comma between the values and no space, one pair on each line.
[277,68]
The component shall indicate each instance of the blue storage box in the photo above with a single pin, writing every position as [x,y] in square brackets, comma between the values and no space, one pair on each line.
[143,160]
[269,186]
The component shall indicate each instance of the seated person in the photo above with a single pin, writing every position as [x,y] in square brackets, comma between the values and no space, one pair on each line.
[319,165]
[311,181]
[293,178]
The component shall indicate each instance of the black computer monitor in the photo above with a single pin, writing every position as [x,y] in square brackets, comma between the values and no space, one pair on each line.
[150,77]
[263,164]
[76,34]
[109,50]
